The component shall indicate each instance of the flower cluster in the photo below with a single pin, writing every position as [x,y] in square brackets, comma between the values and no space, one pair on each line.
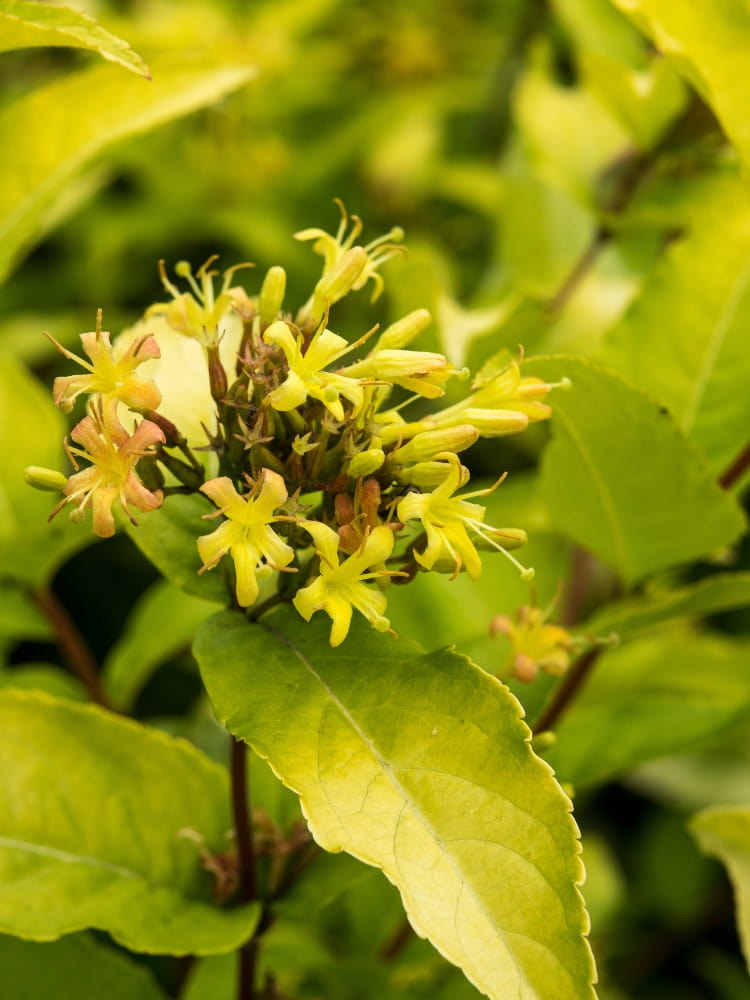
[296,435]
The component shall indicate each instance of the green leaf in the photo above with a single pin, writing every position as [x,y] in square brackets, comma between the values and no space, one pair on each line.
[722,592]
[653,697]
[20,618]
[31,433]
[45,145]
[45,677]
[419,765]
[163,622]
[25,24]
[708,45]
[74,968]
[90,830]
[697,364]
[168,537]
[725,833]
[620,479]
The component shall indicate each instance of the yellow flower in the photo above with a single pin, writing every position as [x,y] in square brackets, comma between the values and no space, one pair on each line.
[422,372]
[448,521]
[247,534]
[306,371]
[340,587]
[111,477]
[110,373]
[535,644]
[335,248]
[200,314]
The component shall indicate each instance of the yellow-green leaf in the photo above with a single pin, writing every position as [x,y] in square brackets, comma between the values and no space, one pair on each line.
[28,24]
[74,968]
[419,765]
[620,479]
[725,833]
[708,44]
[51,134]
[91,822]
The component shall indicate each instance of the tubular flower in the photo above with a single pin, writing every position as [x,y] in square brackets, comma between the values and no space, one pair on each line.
[448,520]
[247,534]
[306,371]
[535,645]
[340,587]
[517,399]
[201,314]
[334,248]
[110,374]
[423,372]
[111,477]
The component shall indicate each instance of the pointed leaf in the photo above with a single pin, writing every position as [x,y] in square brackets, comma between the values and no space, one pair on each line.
[163,622]
[73,968]
[722,592]
[31,433]
[419,765]
[621,480]
[708,45]
[90,821]
[26,23]
[660,695]
[725,833]
[697,364]
[44,144]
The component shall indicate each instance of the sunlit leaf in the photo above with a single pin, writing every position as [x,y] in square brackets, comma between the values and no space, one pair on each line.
[52,133]
[725,833]
[652,697]
[26,23]
[697,363]
[73,968]
[709,48]
[620,479]
[91,817]
[420,766]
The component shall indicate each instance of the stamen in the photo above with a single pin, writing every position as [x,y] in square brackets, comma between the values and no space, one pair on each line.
[527,572]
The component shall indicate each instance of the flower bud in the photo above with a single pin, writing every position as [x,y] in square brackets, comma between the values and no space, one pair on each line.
[339,281]
[401,333]
[428,475]
[489,423]
[366,462]
[426,445]
[271,296]
[48,480]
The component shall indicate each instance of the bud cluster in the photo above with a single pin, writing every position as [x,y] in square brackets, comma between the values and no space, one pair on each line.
[291,432]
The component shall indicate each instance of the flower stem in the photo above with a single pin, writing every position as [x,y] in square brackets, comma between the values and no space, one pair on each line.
[568,690]
[73,647]
[736,469]
[246,864]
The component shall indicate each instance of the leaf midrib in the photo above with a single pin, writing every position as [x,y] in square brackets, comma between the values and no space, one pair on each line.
[409,802]
[70,857]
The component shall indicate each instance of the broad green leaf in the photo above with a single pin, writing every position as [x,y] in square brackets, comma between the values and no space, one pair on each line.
[45,677]
[620,479]
[90,830]
[419,765]
[26,23]
[708,45]
[163,622]
[73,968]
[697,364]
[45,145]
[725,833]
[168,537]
[652,697]
[31,433]
[722,592]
